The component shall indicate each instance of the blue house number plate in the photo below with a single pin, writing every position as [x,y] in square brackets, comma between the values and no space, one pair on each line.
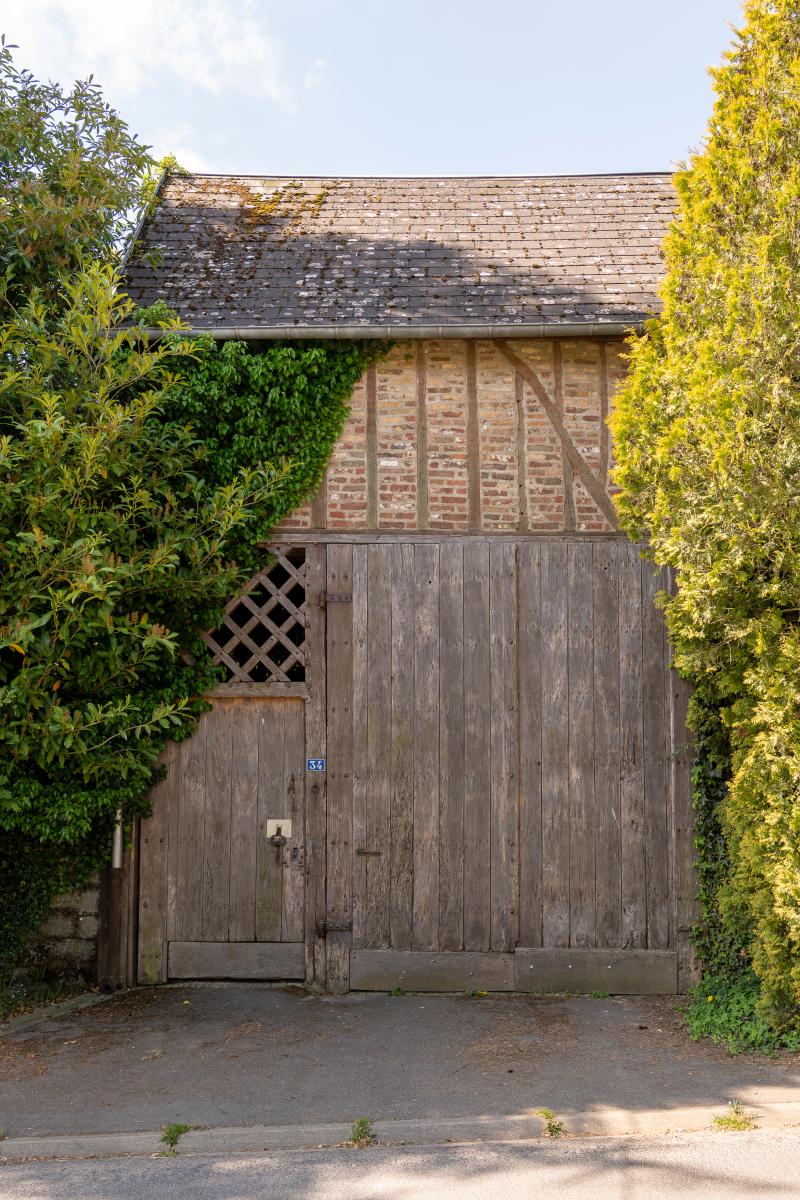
[315,764]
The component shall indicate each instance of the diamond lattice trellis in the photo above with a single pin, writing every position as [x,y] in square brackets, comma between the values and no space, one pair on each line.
[262,637]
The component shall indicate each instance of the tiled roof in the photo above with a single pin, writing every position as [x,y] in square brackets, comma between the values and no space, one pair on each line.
[246,253]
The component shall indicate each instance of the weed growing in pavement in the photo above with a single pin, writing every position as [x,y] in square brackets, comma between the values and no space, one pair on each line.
[736,1118]
[172,1135]
[553,1128]
[363,1134]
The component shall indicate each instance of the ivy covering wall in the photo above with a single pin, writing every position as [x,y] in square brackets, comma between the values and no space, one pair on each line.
[139,482]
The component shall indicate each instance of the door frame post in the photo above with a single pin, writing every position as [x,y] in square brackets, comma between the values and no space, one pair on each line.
[316,747]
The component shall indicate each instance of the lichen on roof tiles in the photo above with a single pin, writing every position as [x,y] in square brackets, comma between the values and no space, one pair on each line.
[264,252]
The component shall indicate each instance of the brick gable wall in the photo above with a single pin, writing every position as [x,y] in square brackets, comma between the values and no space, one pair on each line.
[448,435]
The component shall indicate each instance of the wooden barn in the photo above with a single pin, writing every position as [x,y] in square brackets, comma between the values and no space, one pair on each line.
[450,753]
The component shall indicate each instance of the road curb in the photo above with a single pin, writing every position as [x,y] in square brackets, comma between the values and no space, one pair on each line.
[601,1122]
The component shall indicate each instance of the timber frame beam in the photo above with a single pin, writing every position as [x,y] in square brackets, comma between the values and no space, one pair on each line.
[571,452]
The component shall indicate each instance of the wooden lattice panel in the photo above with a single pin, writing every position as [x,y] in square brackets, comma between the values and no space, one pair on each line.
[262,638]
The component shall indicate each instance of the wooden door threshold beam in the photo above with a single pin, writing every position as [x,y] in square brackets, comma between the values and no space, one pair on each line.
[313,537]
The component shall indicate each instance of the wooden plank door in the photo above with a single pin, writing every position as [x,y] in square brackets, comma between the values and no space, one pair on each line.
[498,733]
[222,858]
[218,897]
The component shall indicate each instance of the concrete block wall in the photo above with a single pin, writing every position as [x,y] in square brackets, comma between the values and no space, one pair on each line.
[67,942]
[446,435]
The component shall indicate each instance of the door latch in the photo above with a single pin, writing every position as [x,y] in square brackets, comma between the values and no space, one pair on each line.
[279,831]
[326,598]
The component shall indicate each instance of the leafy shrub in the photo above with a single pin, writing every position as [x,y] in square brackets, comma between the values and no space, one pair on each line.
[707,433]
[124,530]
[727,1011]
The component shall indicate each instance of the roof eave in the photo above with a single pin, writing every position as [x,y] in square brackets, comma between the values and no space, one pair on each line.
[538,329]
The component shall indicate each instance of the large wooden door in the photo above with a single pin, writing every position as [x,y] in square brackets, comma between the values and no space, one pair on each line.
[500,787]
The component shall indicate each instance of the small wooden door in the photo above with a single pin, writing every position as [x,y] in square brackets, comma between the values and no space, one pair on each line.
[222,891]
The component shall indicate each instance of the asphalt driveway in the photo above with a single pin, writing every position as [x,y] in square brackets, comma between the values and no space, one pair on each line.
[250,1054]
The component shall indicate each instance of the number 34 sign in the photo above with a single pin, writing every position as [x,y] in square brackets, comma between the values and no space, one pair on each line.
[315,764]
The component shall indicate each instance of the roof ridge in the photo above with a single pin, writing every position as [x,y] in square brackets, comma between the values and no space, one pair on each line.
[414,178]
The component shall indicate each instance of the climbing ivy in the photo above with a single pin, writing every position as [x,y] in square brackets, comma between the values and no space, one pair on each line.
[139,482]
[284,403]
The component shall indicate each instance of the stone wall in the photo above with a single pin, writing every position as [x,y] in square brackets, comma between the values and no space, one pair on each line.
[67,941]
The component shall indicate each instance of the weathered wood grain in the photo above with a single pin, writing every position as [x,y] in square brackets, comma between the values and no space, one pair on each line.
[191,787]
[372,447]
[555,746]
[271,803]
[632,832]
[426,748]
[236,960]
[567,469]
[244,823]
[451,748]
[354,537]
[360,736]
[152,948]
[379,784]
[608,878]
[503,739]
[337,947]
[473,439]
[217,821]
[530,745]
[340,755]
[417,971]
[581,749]
[620,972]
[293,871]
[477,749]
[316,725]
[522,456]
[504,748]
[257,691]
[655,700]
[402,747]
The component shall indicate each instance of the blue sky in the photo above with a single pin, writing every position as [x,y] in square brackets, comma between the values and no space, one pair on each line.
[348,87]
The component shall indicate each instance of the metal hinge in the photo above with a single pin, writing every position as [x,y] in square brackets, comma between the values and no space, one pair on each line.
[369,853]
[326,598]
[322,927]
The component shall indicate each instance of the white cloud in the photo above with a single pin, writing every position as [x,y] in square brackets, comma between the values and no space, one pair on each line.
[178,142]
[314,74]
[219,46]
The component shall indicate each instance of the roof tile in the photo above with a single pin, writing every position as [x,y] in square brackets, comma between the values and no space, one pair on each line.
[265,252]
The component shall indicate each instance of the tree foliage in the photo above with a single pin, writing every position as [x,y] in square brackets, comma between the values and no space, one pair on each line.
[139,480]
[707,431]
[72,181]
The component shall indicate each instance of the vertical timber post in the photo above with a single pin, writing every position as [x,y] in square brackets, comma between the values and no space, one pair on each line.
[338,907]
[316,747]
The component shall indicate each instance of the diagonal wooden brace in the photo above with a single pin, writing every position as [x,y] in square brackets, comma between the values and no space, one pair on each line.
[579,465]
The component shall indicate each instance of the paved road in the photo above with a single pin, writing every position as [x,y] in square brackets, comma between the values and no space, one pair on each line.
[704,1166]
